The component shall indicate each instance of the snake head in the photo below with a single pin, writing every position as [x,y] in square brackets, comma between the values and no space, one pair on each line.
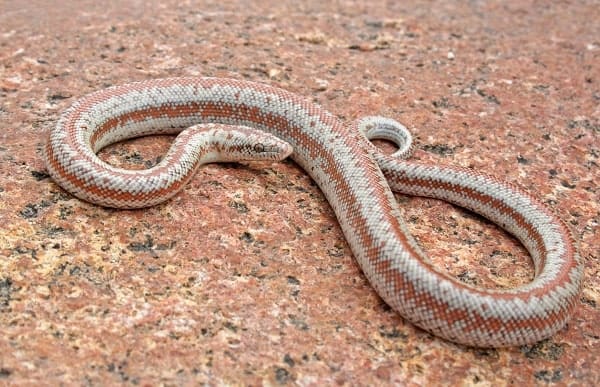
[229,143]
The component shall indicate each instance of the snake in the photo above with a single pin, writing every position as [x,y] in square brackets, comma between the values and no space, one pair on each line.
[221,119]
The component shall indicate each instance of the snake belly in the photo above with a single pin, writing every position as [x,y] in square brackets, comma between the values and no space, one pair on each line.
[341,160]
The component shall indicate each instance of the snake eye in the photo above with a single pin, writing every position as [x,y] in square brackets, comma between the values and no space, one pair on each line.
[259,148]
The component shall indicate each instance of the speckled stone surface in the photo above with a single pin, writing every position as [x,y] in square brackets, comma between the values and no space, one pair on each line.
[245,277]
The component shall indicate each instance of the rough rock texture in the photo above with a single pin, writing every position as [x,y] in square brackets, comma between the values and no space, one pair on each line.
[245,276]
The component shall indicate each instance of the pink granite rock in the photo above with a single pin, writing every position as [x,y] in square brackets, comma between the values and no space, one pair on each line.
[245,277]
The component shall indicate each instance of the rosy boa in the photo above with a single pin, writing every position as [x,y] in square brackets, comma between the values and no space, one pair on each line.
[354,177]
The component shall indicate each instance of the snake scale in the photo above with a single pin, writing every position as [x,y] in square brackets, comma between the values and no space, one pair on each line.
[356,179]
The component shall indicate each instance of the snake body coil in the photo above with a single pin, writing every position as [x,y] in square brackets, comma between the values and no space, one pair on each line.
[355,179]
